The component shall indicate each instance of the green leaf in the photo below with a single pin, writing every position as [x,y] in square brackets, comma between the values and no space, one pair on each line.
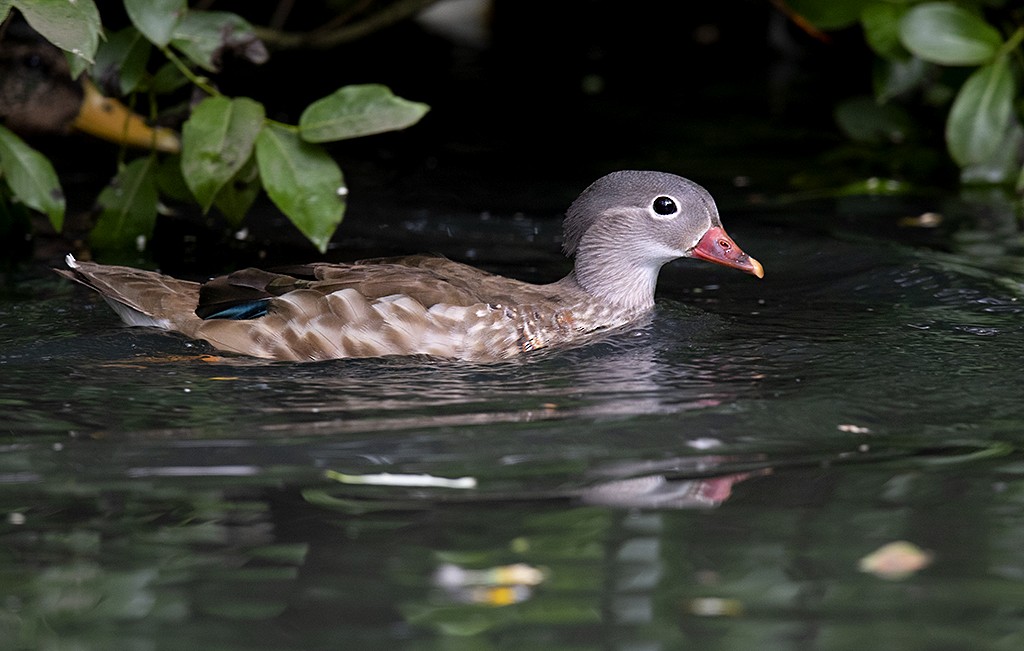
[1004,163]
[71,26]
[829,14]
[864,120]
[5,8]
[881,23]
[169,181]
[128,208]
[156,19]
[303,181]
[354,111]
[216,141]
[168,78]
[238,194]
[981,113]
[203,35]
[121,61]
[944,33]
[896,77]
[31,177]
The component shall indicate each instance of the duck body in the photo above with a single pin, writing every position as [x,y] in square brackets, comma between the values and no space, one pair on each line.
[621,230]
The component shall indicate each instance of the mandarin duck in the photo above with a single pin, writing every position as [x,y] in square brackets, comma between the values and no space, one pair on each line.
[38,96]
[620,231]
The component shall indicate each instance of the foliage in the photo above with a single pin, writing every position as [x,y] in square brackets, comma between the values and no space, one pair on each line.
[924,49]
[229,148]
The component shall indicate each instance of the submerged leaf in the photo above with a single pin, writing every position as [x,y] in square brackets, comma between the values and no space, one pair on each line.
[361,110]
[981,114]
[942,32]
[303,181]
[217,140]
[31,177]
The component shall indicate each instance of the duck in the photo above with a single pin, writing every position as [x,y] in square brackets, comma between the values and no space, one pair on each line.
[619,232]
[39,97]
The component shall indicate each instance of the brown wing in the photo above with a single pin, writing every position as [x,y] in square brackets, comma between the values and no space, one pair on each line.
[429,280]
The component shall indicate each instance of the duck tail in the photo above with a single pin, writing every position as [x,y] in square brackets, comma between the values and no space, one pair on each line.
[140,298]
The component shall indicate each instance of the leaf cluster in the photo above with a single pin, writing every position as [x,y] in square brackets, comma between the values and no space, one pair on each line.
[229,151]
[963,57]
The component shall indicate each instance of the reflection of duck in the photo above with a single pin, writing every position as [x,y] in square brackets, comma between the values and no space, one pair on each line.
[38,95]
[621,230]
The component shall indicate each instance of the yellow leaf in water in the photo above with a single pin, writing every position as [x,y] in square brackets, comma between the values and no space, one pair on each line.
[896,560]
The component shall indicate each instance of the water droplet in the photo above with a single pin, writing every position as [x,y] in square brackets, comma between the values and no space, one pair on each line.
[342,191]
[140,243]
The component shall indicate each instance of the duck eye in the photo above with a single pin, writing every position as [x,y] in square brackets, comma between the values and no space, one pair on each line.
[665,206]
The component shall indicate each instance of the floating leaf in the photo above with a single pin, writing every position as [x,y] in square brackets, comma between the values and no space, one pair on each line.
[31,177]
[5,8]
[203,35]
[71,26]
[981,113]
[944,33]
[128,207]
[896,560]
[402,479]
[156,18]
[217,140]
[360,110]
[303,181]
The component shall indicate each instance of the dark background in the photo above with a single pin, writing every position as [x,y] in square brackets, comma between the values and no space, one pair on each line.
[730,94]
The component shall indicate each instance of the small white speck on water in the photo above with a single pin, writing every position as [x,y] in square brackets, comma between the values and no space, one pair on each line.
[16,518]
[242,234]
[704,443]
[57,447]
[140,243]
[342,191]
[187,390]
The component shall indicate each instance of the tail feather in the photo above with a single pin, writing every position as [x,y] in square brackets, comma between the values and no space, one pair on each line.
[140,298]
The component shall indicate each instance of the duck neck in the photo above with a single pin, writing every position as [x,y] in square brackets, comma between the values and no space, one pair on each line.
[617,276]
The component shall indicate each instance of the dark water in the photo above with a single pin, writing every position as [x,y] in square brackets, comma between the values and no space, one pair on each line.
[710,479]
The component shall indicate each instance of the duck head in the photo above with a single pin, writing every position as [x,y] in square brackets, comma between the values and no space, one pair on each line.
[626,225]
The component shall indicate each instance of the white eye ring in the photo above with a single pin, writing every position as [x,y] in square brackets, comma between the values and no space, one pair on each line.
[664,207]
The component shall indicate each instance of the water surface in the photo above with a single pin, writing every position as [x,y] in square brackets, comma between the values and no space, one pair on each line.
[710,478]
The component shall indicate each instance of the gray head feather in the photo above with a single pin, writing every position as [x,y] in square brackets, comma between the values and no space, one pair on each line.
[625,189]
